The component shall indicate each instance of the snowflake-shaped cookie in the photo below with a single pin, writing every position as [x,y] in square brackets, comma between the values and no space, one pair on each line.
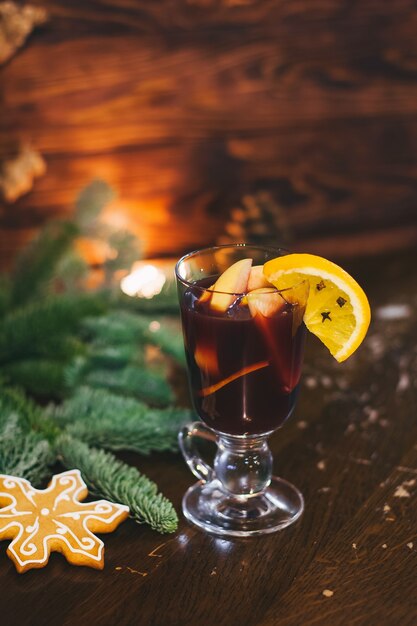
[41,521]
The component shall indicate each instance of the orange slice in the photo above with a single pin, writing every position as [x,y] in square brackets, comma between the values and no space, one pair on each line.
[337,310]
[205,356]
[243,372]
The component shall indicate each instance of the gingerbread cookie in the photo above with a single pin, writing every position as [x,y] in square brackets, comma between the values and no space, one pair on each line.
[41,521]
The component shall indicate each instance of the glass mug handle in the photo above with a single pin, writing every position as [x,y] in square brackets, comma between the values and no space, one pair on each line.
[186,440]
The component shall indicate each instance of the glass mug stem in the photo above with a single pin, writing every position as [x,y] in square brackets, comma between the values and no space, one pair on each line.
[242,466]
[238,496]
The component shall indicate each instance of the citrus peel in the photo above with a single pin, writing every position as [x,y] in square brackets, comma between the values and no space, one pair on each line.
[337,309]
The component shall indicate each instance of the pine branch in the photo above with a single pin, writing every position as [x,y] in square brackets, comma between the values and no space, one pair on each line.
[36,265]
[34,329]
[117,327]
[91,202]
[13,402]
[70,271]
[5,294]
[133,380]
[39,377]
[23,452]
[115,356]
[166,302]
[108,477]
[31,417]
[75,372]
[105,420]
[26,455]
[167,336]
[128,328]
[126,250]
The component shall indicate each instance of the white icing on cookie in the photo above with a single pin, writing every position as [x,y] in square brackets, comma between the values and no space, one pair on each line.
[43,520]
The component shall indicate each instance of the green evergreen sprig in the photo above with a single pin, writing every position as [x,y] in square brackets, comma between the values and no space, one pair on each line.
[24,451]
[54,344]
[43,378]
[89,204]
[101,355]
[27,455]
[14,402]
[5,294]
[105,420]
[30,416]
[107,476]
[41,328]
[36,265]
[165,303]
[123,327]
[134,381]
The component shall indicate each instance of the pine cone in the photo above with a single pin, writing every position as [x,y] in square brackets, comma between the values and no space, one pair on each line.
[260,220]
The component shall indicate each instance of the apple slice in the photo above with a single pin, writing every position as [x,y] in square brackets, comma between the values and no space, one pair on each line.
[234,280]
[206,295]
[257,278]
[264,303]
[267,301]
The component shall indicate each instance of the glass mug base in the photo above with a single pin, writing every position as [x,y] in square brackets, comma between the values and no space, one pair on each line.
[237,496]
[209,507]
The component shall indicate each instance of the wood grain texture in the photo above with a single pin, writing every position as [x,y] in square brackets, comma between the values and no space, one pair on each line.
[351,444]
[185,107]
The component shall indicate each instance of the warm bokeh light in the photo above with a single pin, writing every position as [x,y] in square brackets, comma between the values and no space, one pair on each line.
[116,217]
[93,251]
[145,281]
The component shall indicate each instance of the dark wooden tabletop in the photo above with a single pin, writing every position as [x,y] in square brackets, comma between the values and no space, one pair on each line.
[351,559]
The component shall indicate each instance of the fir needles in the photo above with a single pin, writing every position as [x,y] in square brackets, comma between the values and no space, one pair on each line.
[105,420]
[89,352]
[108,477]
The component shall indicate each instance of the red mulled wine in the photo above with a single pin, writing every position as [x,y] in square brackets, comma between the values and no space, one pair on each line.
[244,369]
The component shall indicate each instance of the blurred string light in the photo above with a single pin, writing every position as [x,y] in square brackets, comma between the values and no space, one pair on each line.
[144,281]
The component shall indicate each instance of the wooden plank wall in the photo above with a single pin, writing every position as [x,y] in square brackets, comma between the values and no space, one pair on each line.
[187,106]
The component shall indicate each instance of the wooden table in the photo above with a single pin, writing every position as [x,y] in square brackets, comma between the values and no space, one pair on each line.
[350,560]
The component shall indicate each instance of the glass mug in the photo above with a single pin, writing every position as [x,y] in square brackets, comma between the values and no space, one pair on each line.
[244,365]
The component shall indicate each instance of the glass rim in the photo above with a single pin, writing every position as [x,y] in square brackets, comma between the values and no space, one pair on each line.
[188,255]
